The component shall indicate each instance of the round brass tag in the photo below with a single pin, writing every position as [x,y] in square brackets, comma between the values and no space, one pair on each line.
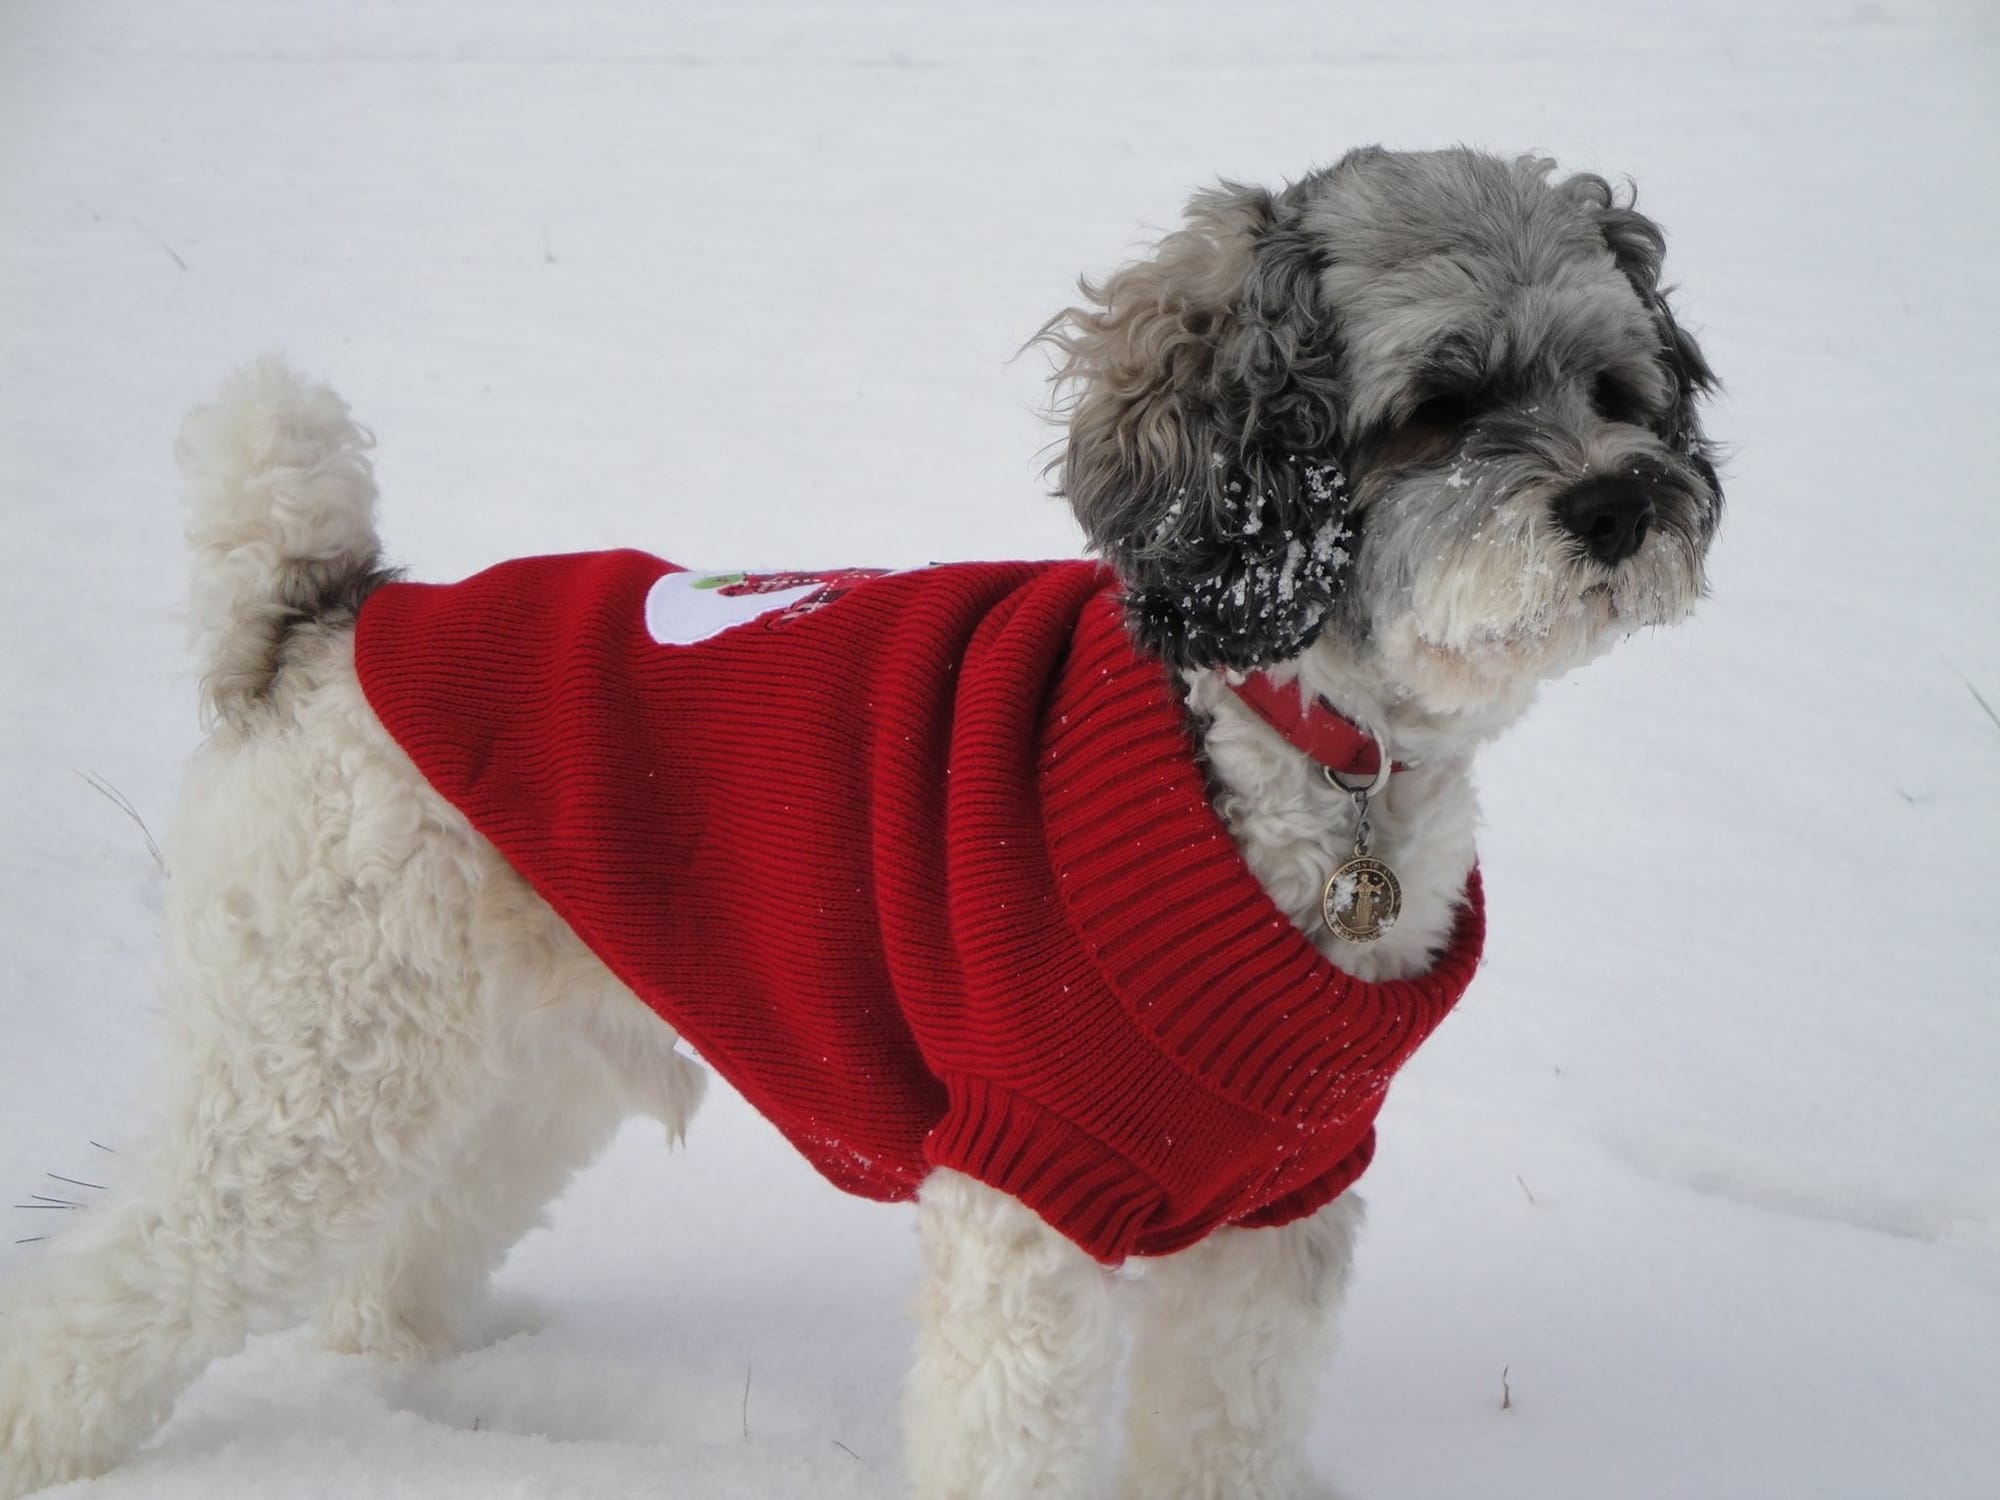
[1362,899]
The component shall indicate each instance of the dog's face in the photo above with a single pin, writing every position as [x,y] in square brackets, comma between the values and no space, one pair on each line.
[1432,408]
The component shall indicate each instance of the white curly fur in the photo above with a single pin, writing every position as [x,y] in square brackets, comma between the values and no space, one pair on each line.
[1230,1339]
[385,1055]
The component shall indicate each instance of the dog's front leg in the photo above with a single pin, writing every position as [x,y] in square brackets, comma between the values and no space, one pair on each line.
[1017,1349]
[1230,1340]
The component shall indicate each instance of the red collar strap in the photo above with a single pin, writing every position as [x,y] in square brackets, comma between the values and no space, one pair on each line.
[1316,729]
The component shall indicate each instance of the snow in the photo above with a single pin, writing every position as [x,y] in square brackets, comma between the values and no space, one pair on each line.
[1705,1166]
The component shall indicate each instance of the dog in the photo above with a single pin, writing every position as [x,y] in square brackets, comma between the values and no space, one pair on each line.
[1365,460]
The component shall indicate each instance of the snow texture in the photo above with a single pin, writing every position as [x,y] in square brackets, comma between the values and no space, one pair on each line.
[1703,1173]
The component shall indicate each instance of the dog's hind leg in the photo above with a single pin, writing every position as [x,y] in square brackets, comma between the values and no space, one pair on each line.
[1231,1336]
[580,1054]
[268,1170]
[329,1050]
[1009,1395]
[417,1292]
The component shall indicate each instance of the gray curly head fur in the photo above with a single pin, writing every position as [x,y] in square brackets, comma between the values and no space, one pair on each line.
[1302,396]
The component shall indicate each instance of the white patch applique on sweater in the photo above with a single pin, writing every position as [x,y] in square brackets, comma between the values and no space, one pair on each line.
[686,608]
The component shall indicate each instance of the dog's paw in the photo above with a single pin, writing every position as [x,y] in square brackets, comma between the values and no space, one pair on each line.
[357,1326]
[58,1419]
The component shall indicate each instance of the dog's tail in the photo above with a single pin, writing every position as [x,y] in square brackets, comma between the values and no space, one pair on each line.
[281,499]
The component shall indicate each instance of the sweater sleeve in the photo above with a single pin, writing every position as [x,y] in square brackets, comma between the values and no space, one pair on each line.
[1079,1187]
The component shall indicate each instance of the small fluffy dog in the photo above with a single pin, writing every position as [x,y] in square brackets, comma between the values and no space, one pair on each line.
[1385,449]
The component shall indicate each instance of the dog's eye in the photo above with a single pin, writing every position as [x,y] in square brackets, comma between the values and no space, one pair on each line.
[1442,411]
[1615,401]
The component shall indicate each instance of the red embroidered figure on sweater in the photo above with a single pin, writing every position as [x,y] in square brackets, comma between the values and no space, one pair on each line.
[924,866]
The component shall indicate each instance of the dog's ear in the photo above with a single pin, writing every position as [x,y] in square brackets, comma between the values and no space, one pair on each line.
[1639,246]
[1204,412]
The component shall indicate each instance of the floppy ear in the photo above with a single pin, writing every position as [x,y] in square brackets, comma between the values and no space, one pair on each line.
[1640,247]
[1203,420]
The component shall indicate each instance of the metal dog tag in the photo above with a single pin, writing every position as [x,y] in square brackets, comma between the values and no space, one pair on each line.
[1363,897]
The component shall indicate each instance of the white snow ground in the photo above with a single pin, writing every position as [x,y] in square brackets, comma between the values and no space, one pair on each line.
[1708,1165]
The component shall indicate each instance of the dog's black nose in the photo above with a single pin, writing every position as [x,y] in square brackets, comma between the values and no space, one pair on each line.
[1609,513]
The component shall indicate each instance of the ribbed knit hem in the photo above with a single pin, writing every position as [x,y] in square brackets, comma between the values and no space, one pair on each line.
[1074,1182]
[1315,1195]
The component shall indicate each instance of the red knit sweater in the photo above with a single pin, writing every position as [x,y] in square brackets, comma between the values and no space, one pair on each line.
[924,864]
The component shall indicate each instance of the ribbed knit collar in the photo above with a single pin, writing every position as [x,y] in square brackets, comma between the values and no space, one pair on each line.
[1178,925]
